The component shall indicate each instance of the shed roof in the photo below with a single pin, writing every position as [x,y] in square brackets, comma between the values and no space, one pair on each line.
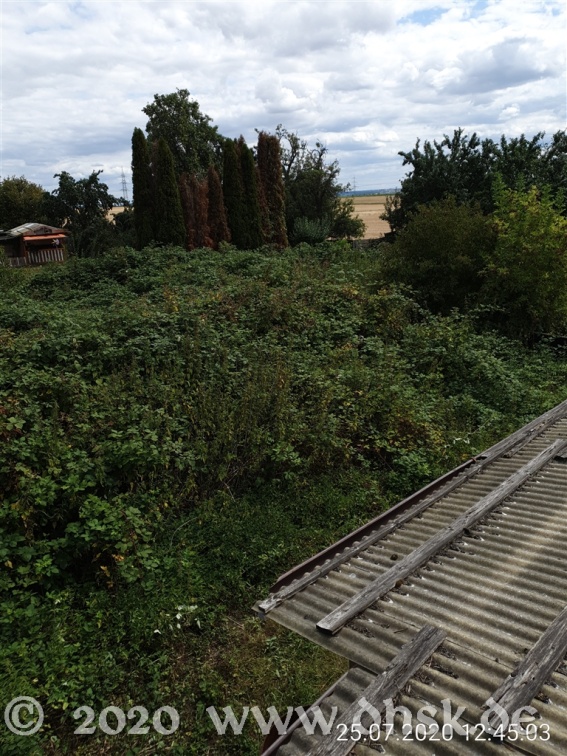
[44,237]
[493,584]
[32,229]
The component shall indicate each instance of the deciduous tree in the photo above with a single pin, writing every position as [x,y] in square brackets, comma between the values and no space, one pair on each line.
[467,168]
[194,142]
[21,201]
[441,252]
[81,206]
[526,274]
[312,188]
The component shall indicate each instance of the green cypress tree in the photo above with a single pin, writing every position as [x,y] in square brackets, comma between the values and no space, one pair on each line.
[270,171]
[252,213]
[169,225]
[142,189]
[233,193]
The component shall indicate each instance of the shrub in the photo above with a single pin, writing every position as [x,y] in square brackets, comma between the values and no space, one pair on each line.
[310,231]
[525,276]
[441,253]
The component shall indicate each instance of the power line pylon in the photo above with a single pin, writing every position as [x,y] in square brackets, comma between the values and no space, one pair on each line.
[125,188]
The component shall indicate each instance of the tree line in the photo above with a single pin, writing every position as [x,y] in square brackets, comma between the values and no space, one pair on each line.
[480,226]
[468,168]
[196,188]
[199,209]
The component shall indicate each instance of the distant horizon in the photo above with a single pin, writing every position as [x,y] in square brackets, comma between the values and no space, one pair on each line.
[369,192]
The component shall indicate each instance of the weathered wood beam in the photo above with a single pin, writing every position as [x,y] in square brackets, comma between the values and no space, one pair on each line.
[336,619]
[402,668]
[533,671]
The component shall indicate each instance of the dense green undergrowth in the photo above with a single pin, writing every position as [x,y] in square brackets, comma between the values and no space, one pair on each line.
[176,430]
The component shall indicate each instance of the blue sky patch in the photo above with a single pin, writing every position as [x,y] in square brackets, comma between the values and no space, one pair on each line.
[424,17]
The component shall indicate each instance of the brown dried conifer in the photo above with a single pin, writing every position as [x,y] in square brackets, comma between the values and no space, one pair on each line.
[199,190]
[218,225]
[189,214]
[270,170]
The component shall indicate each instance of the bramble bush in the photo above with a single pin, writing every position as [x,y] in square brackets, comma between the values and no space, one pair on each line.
[177,429]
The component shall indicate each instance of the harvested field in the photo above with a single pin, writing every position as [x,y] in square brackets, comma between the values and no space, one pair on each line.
[114,211]
[369,209]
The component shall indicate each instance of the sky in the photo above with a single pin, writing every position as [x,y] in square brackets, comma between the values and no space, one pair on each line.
[365,78]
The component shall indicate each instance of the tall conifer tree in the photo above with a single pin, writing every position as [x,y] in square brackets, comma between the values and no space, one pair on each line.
[199,190]
[142,189]
[169,225]
[252,212]
[218,226]
[195,203]
[264,210]
[188,207]
[233,193]
[270,172]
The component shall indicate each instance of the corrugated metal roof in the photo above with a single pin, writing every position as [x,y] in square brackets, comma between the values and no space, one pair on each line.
[494,590]
[33,229]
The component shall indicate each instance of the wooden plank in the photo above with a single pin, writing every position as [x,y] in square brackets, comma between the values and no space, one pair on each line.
[410,659]
[533,671]
[509,445]
[336,619]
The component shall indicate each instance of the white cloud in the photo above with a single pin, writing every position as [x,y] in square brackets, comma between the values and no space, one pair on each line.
[368,78]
